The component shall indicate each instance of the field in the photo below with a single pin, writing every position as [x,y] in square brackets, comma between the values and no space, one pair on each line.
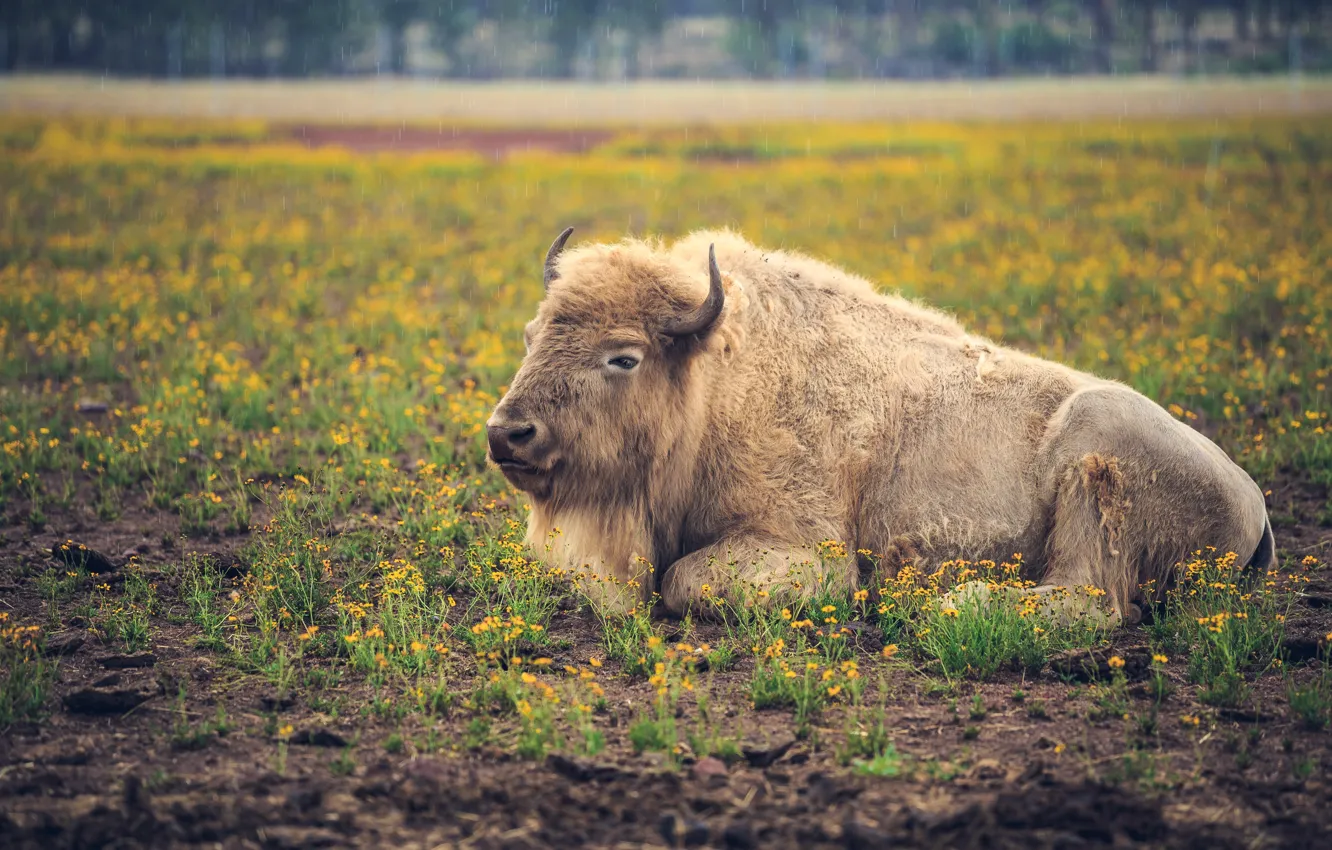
[259,588]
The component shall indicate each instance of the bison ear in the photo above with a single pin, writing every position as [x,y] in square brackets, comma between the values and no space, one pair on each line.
[554,254]
[705,315]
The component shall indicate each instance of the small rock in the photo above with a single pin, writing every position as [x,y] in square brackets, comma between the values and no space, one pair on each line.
[739,836]
[62,643]
[128,662]
[91,407]
[678,832]
[273,702]
[76,556]
[319,737]
[108,681]
[764,756]
[987,770]
[581,770]
[710,771]
[860,836]
[94,701]
[305,799]
[824,790]
[696,834]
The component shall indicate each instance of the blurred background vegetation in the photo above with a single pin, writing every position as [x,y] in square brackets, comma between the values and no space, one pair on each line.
[681,39]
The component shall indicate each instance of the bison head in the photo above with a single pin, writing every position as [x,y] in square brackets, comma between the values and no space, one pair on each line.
[606,380]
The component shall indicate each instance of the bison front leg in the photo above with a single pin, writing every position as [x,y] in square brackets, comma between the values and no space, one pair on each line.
[745,571]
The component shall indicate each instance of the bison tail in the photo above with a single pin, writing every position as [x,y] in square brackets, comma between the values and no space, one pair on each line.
[1264,557]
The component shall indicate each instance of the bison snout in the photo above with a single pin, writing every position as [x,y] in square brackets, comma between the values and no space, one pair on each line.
[515,443]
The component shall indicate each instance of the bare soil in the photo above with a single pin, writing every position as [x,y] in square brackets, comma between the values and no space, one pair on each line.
[1039,771]
[494,143]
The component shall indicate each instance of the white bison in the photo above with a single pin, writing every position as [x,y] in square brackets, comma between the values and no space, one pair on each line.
[718,415]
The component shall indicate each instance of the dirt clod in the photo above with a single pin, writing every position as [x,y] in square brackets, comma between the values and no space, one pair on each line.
[63,644]
[739,836]
[582,770]
[1093,665]
[128,662]
[105,701]
[766,755]
[78,556]
[319,737]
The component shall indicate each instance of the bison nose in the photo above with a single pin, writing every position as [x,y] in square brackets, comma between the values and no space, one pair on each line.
[519,434]
[506,439]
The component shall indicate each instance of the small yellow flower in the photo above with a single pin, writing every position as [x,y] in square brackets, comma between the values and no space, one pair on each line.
[1116,663]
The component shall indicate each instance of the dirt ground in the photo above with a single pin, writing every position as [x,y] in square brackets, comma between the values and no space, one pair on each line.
[98,773]
[495,143]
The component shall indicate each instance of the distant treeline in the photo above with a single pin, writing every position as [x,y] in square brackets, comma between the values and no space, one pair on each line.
[615,39]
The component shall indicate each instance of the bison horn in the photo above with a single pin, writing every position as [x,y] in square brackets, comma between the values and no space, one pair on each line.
[554,254]
[702,318]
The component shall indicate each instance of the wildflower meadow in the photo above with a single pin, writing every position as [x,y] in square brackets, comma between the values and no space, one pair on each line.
[258,584]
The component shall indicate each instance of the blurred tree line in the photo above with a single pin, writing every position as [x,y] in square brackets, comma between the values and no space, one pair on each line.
[622,38]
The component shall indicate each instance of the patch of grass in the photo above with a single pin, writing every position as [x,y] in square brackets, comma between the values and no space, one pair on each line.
[653,734]
[201,586]
[186,735]
[785,678]
[885,765]
[1311,701]
[1229,625]
[290,579]
[344,764]
[978,710]
[26,674]
[633,641]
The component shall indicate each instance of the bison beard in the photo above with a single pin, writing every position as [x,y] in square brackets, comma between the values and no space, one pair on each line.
[718,411]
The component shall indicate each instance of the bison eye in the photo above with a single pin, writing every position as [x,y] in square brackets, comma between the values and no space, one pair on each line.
[623,362]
